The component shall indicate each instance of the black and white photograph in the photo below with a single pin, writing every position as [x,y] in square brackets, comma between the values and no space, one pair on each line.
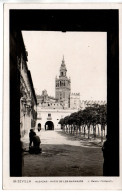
[63,94]
[69,112]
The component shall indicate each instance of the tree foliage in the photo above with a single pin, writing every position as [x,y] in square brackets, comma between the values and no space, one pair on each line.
[93,115]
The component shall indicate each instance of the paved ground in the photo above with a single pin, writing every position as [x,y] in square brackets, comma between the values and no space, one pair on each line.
[63,155]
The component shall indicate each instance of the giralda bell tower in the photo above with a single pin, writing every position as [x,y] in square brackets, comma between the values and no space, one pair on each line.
[63,87]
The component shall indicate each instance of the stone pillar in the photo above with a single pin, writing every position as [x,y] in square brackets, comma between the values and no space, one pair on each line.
[111,149]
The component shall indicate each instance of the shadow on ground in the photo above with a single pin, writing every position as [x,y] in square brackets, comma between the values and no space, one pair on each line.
[64,160]
[83,140]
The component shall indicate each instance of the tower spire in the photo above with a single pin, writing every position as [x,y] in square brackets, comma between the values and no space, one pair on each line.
[63,62]
[63,59]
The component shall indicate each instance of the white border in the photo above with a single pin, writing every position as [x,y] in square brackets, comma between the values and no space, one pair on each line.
[102,182]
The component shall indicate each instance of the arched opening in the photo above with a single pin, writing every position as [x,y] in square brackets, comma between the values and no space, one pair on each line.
[39,126]
[49,125]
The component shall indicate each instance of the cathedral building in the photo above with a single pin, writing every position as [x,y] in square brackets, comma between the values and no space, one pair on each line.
[51,109]
[63,99]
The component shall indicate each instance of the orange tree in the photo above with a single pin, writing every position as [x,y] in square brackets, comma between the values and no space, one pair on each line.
[90,116]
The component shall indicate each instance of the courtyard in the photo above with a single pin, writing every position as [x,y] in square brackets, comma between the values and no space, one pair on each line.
[63,155]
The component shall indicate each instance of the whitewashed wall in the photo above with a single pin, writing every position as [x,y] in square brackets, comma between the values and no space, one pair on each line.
[56,115]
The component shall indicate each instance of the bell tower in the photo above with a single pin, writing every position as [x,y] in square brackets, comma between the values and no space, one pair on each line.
[63,87]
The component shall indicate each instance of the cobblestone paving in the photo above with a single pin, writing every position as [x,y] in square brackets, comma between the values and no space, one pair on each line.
[63,155]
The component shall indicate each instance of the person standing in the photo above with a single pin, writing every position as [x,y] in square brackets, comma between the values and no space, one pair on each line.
[31,134]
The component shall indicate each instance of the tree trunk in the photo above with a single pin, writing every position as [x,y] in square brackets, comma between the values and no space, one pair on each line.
[88,131]
[76,129]
[79,129]
[104,130]
[98,131]
[65,128]
[68,128]
[71,129]
[84,131]
[94,130]
[101,134]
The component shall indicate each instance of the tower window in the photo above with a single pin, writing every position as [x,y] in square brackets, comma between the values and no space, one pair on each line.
[61,73]
[49,115]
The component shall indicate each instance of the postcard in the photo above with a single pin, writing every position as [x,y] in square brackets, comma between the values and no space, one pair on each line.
[61,96]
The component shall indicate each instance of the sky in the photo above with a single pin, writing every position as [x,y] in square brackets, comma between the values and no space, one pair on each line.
[85,55]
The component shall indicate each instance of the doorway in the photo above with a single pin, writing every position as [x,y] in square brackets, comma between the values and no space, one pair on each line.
[49,125]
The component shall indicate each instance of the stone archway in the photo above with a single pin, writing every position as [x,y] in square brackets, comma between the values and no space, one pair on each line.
[49,125]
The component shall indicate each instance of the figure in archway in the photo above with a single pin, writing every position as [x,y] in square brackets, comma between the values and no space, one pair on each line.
[39,126]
